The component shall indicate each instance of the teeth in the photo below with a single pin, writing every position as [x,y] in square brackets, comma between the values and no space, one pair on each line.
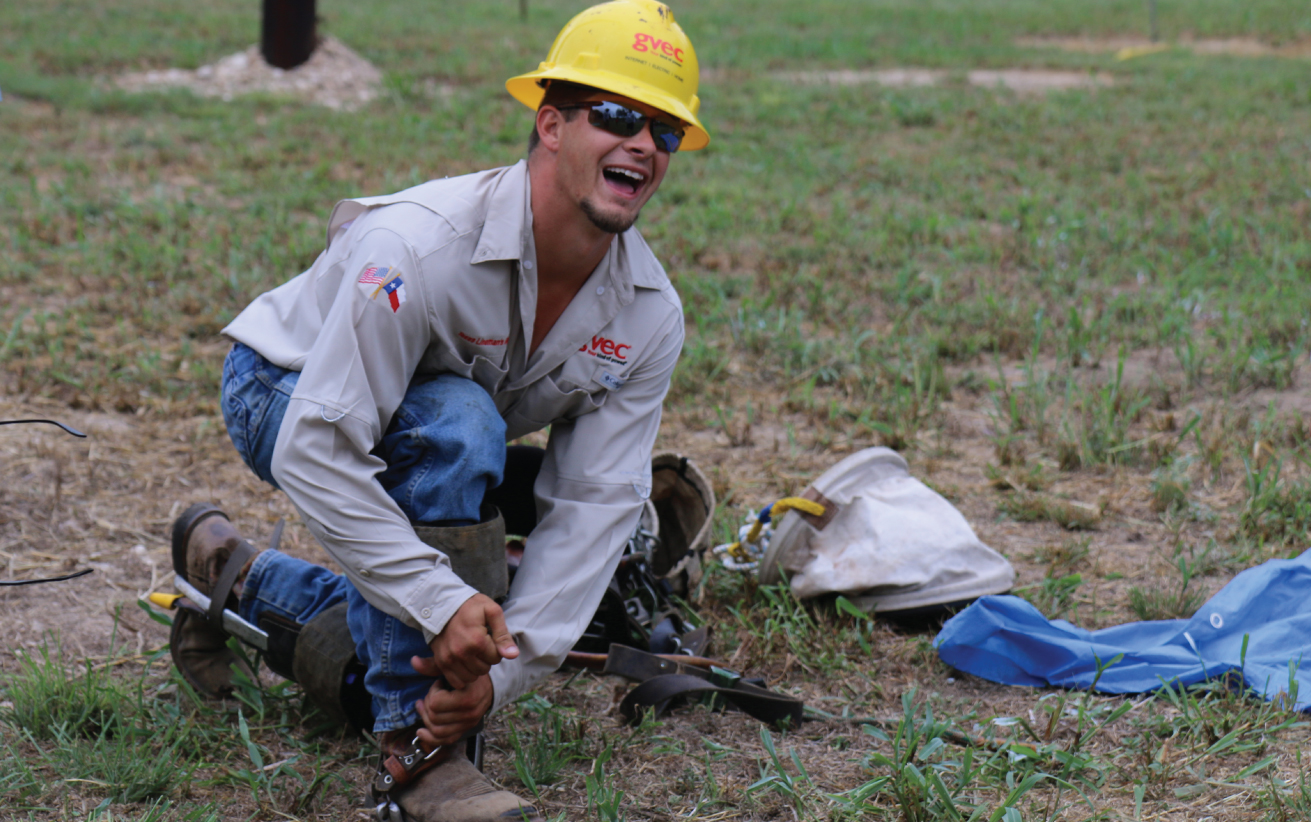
[632,175]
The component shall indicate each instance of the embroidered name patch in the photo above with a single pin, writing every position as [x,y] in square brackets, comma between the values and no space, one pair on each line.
[611,381]
[483,340]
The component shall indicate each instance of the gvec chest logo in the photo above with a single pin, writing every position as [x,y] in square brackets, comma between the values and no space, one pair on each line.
[606,349]
[646,42]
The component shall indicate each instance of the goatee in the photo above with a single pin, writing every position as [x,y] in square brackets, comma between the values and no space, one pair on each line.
[613,224]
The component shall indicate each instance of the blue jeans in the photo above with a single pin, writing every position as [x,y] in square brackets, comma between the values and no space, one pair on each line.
[444,448]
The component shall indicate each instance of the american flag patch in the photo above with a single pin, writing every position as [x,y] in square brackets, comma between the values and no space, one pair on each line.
[374,275]
[395,293]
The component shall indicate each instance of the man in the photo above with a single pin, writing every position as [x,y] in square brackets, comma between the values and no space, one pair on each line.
[378,389]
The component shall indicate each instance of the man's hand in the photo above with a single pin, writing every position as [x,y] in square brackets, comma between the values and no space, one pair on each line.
[472,642]
[448,715]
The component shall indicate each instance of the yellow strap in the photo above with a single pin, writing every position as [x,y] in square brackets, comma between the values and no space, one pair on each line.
[737,552]
[778,509]
[801,504]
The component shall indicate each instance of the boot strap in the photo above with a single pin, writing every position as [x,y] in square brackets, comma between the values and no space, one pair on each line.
[232,568]
[398,770]
[218,598]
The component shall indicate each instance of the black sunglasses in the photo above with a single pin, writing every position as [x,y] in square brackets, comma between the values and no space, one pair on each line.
[622,121]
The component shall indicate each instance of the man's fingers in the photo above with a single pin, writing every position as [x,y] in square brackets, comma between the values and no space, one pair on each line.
[429,740]
[440,728]
[425,666]
[457,681]
[474,639]
[465,670]
[447,715]
[439,712]
[425,716]
[501,637]
[472,649]
[444,721]
[456,675]
[481,653]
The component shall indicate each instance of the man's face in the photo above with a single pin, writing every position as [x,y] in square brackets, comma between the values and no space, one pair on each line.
[609,177]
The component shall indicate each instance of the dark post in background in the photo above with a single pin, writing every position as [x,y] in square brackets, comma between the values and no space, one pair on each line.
[287,38]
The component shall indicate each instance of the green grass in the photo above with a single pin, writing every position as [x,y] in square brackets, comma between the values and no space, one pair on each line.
[475,41]
[1278,511]
[1169,600]
[1027,507]
[137,232]
[1284,801]
[85,728]
[48,700]
[542,754]
[134,745]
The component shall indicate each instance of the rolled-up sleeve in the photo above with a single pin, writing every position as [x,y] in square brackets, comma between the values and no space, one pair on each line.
[354,379]
[590,491]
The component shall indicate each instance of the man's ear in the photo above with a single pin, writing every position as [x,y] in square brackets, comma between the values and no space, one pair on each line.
[550,127]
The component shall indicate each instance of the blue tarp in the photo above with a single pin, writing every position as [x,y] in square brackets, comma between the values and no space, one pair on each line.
[1005,639]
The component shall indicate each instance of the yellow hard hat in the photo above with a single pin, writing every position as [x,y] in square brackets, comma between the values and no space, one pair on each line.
[629,47]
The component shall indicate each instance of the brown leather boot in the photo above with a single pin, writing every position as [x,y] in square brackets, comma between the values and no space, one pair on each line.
[204,541]
[455,791]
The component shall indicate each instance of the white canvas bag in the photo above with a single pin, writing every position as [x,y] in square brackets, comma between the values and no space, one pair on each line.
[886,541]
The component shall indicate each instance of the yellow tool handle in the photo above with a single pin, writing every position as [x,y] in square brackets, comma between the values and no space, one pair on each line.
[169,601]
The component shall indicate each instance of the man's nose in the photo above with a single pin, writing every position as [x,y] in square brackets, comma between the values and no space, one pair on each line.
[643,142]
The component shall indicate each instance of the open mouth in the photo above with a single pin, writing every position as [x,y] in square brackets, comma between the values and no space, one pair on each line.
[624,180]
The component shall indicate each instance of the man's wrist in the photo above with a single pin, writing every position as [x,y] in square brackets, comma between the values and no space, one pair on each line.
[431,609]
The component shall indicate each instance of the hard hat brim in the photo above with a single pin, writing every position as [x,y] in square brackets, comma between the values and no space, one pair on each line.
[527,89]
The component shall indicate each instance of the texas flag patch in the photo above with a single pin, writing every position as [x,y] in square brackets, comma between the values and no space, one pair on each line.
[385,282]
[395,293]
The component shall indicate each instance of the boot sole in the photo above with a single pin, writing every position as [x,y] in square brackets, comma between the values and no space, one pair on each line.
[182,620]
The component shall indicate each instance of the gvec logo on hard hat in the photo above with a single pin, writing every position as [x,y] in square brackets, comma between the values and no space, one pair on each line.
[655,45]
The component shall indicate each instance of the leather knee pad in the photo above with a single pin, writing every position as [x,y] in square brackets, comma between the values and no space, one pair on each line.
[325,666]
[476,552]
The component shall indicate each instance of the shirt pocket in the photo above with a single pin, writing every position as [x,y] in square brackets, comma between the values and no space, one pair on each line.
[580,387]
[486,371]
[590,375]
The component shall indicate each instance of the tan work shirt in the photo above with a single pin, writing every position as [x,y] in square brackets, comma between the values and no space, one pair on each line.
[441,278]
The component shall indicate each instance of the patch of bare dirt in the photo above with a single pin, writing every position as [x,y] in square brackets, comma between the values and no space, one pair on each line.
[1037,81]
[1129,46]
[896,78]
[1020,81]
[334,76]
[106,503]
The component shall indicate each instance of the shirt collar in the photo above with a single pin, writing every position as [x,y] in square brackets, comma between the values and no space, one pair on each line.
[634,257]
[507,229]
